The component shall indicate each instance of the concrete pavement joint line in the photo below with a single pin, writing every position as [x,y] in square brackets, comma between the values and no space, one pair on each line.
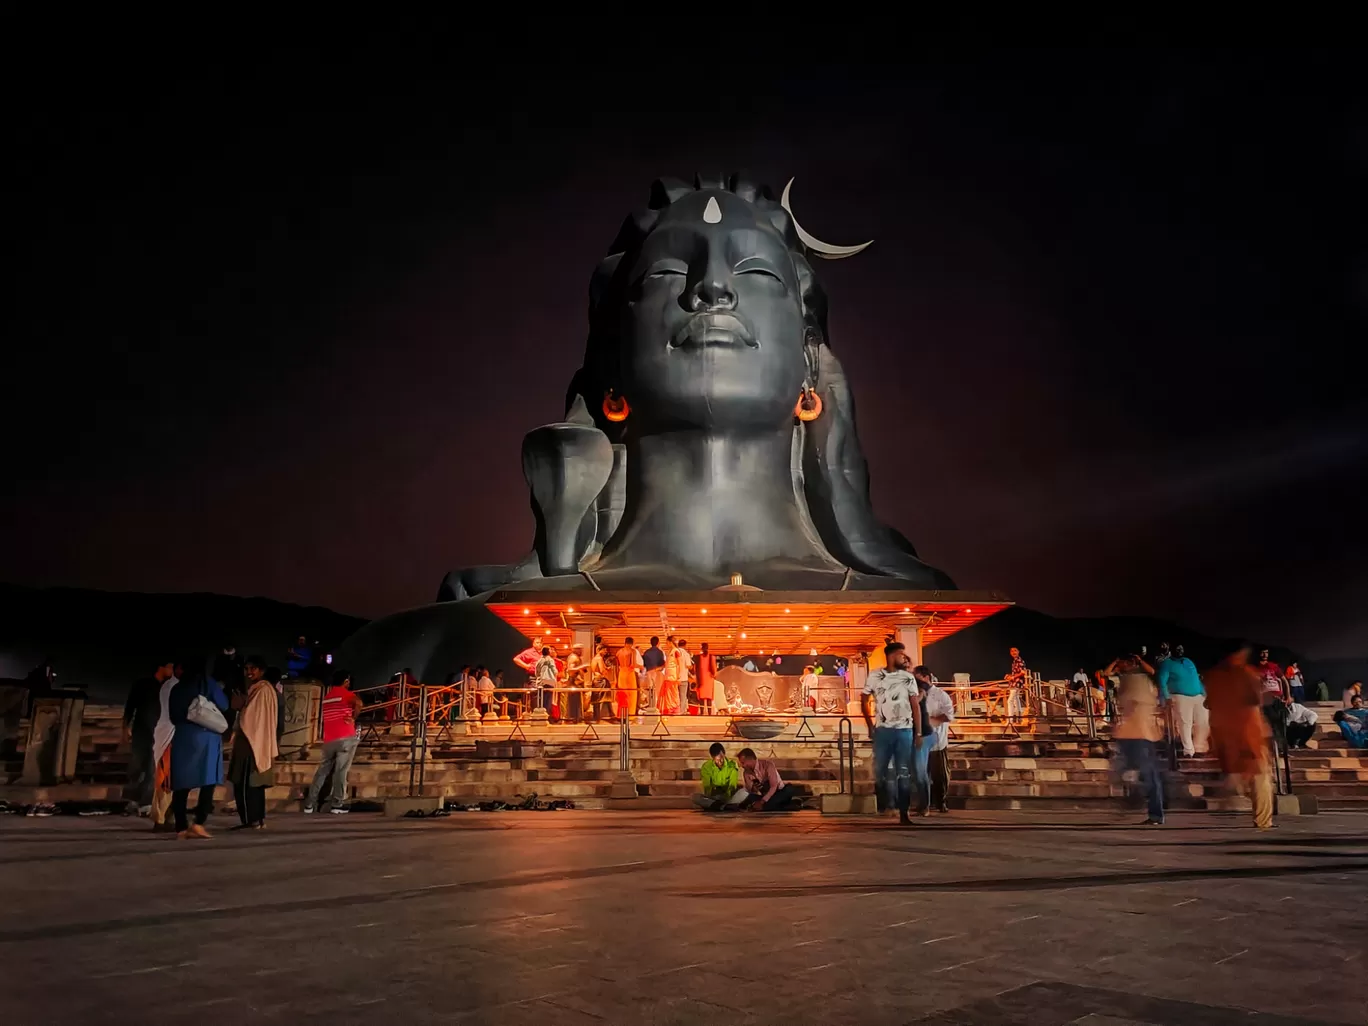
[338,901]
[1032,883]
[959,965]
[142,972]
[1228,958]
[674,969]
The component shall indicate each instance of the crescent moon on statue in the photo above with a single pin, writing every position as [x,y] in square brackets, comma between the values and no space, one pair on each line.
[825,250]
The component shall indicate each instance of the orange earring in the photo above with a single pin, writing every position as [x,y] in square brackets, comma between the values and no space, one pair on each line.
[615,407]
[809,406]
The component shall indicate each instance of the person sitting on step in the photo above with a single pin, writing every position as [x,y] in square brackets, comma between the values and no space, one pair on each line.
[766,789]
[721,782]
[1301,724]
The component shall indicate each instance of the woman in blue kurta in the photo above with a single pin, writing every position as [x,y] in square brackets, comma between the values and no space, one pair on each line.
[196,755]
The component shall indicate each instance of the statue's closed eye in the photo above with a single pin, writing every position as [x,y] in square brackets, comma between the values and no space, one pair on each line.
[753,265]
[665,270]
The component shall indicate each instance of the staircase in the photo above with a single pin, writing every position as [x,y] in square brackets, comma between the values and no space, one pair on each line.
[989,770]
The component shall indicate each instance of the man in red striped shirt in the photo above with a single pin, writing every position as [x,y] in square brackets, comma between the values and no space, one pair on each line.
[340,706]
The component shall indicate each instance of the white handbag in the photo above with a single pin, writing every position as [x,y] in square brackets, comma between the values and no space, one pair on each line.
[204,713]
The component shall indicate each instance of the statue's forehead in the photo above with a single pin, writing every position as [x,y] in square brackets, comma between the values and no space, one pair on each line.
[713,207]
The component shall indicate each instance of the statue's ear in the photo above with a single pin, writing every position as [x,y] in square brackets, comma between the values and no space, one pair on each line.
[812,353]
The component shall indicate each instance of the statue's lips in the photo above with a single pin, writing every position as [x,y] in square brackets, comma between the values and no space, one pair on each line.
[714,329]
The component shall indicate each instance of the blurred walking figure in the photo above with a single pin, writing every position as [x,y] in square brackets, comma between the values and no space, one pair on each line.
[1240,732]
[142,715]
[1137,729]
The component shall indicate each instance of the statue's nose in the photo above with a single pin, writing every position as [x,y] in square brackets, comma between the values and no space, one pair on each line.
[713,292]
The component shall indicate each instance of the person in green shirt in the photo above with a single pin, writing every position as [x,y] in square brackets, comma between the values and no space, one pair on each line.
[721,780]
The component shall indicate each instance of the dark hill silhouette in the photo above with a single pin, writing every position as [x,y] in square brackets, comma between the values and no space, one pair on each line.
[103,640]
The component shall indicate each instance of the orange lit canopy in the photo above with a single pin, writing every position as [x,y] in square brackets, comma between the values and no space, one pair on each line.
[746,621]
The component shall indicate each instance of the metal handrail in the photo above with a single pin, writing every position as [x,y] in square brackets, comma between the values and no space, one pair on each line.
[845,730]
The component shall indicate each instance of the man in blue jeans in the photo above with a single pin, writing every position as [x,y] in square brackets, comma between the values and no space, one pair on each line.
[891,710]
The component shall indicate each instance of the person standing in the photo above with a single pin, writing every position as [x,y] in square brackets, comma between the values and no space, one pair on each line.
[888,702]
[162,736]
[1274,694]
[1181,686]
[252,766]
[1240,731]
[142,711]
[196,754]
[1137,730]
[485,691]
[1017,677]
[1296,683]
[653,663]
[340,708]
[667,695]
[707,675]
[686,669]
[545,680]
[629,662]
[298,657]
[808,684]
[939,710]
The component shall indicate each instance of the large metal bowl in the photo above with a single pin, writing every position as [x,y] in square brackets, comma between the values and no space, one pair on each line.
[756,728]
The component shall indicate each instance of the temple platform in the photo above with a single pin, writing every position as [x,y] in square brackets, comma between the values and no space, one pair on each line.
[989,770]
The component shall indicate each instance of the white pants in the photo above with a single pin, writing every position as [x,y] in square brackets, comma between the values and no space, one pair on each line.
[1190,714]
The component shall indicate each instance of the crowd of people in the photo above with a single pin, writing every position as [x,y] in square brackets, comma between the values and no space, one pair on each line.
[178,719]
[664,676]
[1233,710]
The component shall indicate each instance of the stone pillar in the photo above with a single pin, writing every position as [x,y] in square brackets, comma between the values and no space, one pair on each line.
[299,711]
[54,740]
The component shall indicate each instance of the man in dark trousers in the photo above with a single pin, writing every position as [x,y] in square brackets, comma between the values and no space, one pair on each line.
[141,712]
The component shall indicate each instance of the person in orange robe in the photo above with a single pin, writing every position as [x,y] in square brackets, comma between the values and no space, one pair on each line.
[628,661]
[706,673]
[1239,731]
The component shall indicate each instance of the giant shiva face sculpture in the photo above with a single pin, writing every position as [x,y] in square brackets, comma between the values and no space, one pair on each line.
[706,312]
[685,444]
[712,331]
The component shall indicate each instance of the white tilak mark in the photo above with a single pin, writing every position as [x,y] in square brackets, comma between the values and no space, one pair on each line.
[905,922]
[1229,957]
[959,965]
[1188,902]
[712,213]
[1021,920]
[937,940]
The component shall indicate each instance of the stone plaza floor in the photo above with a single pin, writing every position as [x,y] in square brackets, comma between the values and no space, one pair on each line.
[978,919]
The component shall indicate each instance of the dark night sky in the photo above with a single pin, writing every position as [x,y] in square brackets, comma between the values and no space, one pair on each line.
[282,322]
